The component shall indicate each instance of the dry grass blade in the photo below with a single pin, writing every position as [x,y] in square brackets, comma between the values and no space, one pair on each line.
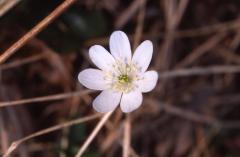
[173,13]
[139,27]
[188,33]
[182,113]
[45,98]
[201,50]
[21,62]
[200,71]
[93,134]
[127,14]
[15,144]
[35,30]
[216,28]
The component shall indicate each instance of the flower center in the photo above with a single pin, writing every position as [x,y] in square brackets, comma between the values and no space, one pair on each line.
[123,77]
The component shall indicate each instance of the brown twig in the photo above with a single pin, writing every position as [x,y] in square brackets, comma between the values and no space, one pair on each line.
[186,114]
[45,98]
[189,33]
[227,54]
[93,134]
[21,62]
[201,50]
[3,134]
[6,5]
[173,14]
[195,117]
[140,23]
[198,71]
[35,30]
[15,144]
[204,142]
[127,14]
[216,28]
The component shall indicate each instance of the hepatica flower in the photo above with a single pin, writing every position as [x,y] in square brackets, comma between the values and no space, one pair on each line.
[122,77]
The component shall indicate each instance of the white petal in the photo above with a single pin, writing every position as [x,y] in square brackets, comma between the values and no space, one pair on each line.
[131,101]
[148,82]
[143,55]
[120,46]
[106,101]
[101,57]
[92,79]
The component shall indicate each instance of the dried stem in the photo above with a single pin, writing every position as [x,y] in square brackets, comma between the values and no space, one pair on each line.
[195,117]
[35,30]
[201,50]
[15,144]
[199,71]
[22,62]
[127,137]
[164,75]
[127,14]
[140,23]
[45,98]
[205,30]
[93,134]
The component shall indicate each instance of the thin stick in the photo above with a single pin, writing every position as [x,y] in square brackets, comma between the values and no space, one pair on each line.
[22,62]
[93,134]
[35,30]
[127,14]
[140,22]
[15,144]
[189,33]
[205,30]
[201,50]
[127,137]
[199,71]
[6,5]
[45,98]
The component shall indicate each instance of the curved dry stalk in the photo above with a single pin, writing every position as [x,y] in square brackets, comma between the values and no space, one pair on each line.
[127,137]
[93,134]
[35,30]
[45,98]
[15,144]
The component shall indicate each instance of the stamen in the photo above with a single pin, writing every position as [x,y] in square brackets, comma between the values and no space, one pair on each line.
[123,76]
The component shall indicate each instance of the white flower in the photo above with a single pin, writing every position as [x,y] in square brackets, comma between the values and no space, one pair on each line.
[122,77]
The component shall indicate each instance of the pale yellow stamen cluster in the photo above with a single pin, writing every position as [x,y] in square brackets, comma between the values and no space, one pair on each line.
[123,76]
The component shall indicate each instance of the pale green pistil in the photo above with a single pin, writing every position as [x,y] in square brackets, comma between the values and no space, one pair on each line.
[124,79]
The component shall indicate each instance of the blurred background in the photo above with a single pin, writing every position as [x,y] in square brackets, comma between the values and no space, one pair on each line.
[193,115]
